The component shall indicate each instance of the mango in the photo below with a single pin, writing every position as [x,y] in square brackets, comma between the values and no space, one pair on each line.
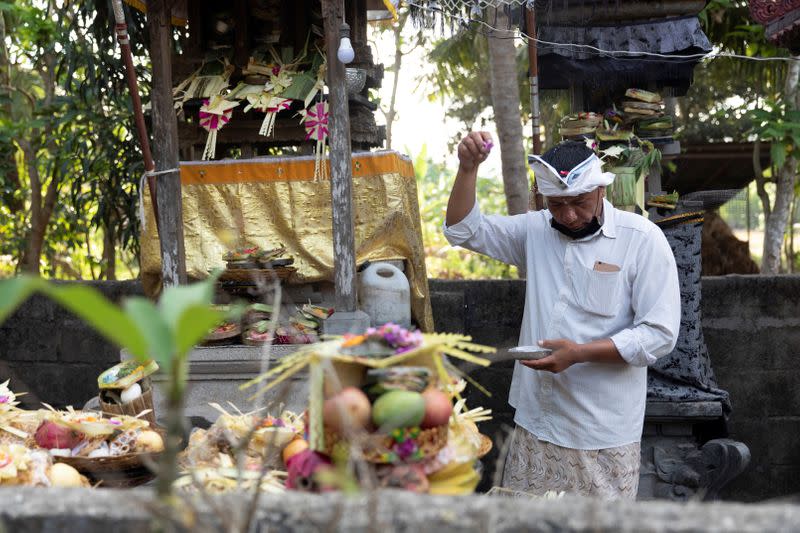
[398,409]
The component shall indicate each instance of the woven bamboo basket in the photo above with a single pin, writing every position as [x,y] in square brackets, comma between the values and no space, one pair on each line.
[124,471]
[376,445]
[142,403]
[121,471]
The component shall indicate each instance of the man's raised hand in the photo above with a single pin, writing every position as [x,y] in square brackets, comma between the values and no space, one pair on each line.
[473,150]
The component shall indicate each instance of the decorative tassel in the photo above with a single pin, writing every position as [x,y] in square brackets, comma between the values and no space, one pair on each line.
[214,114]
[271,105]
[211,146]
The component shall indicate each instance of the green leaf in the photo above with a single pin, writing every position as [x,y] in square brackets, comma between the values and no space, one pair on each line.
[160,341]
[778,154]
[105,317]
[176,299]
[14,291]
[193,325]
[769,133]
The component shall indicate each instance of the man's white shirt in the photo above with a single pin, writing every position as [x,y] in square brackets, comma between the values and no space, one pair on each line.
[589,406]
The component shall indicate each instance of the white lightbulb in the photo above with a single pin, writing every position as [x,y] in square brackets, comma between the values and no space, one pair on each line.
[346,54]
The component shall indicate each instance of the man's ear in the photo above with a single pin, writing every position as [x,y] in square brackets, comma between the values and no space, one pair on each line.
[602,191]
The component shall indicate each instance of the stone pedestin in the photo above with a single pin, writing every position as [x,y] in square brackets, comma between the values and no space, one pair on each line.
[676,463]
[342,322]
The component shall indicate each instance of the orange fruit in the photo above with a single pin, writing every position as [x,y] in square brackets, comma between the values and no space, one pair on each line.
[293,448]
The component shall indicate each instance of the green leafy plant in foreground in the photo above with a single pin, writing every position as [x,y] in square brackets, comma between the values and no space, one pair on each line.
[165,332]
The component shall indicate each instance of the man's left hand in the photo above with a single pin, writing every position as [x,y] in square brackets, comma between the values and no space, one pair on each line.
[565,354]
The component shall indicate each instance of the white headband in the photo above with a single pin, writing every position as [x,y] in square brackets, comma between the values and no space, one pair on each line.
[584,177]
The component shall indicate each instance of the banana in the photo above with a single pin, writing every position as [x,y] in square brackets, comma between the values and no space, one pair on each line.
[449,470]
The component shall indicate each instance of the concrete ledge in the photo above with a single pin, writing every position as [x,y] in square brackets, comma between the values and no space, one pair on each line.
[25,510]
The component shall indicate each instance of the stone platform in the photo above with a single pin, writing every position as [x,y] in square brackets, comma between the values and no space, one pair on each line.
[216,373]
[27,510]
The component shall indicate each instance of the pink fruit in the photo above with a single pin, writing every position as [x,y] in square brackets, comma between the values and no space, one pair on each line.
[52,435]
[348,410]
[438,408]
[302,469]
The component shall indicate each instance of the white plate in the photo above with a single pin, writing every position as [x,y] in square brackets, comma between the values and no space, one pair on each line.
[529,352]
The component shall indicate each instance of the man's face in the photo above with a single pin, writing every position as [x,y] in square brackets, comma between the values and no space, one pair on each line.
[575,212]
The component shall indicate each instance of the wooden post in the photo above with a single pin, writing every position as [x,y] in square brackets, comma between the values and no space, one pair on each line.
[341,165]
[241,31]
[537,200]
[165,145]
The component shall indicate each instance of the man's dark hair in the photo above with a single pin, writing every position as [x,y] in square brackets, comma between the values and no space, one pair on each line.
[567,154]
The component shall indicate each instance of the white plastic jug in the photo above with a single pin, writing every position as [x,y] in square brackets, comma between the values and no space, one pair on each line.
[385,295]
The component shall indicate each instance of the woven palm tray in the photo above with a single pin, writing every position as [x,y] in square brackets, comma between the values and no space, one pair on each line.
[251,275]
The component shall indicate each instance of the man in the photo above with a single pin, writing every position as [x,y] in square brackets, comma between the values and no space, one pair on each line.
[602,293]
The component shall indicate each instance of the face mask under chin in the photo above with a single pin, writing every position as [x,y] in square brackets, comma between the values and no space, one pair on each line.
[589,229]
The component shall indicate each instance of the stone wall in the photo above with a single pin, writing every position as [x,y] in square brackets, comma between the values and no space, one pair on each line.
[752,330]
[750,325]
[54,356]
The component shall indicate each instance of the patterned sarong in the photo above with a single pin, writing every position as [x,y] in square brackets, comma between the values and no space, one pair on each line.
[536,467]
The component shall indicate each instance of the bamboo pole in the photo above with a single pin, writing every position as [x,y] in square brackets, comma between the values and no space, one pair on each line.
[121,28]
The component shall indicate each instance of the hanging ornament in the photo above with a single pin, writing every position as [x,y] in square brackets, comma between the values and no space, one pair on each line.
[279,80]
[271,105]
[315,120]
[215,113]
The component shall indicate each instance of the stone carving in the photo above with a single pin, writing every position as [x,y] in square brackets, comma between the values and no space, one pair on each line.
[781,20]
[686,472]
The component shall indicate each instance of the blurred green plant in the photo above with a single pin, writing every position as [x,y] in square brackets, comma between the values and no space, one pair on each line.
[165,332]
[434,181]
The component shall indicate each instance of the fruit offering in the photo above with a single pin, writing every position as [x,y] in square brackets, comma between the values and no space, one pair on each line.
[383,405]
[88,434]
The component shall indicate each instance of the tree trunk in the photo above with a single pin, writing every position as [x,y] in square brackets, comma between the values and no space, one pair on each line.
[29,262]
[776,223]
[391,113]
[109,271]
[508,113]
[14,204]
[784,187]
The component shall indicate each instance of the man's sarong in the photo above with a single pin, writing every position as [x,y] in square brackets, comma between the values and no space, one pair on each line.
[536,467]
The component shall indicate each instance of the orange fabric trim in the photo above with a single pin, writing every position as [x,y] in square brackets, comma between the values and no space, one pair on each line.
[287,169]
[142,6]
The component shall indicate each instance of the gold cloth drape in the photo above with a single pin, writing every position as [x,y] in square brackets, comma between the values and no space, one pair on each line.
[271,201]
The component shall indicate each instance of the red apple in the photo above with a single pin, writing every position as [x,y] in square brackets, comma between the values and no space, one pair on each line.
[438,408]
[348,410]
[53,435]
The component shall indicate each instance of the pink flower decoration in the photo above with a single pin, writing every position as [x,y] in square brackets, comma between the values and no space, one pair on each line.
[317,122]
[213,121]
[284,104]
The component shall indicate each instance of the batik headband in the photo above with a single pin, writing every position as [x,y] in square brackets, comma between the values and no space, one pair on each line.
[584,177]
